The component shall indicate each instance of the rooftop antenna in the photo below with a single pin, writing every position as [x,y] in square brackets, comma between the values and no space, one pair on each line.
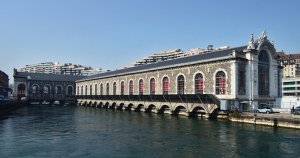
[209,47]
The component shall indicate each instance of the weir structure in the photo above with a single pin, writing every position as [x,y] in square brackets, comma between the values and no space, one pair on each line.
[188,105]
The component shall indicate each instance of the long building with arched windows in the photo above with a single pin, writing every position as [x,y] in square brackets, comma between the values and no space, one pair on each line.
[242,78]
[40,87]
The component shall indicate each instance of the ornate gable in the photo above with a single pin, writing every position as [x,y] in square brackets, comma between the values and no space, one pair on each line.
[262,43]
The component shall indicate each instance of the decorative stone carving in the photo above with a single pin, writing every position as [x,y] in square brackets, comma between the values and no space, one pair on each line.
[254,78]
[251,43]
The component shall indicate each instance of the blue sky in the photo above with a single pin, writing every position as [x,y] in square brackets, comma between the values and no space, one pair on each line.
[113,33]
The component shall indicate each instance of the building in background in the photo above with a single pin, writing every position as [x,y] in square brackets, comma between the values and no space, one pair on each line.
[172,54]
[5,91]
[41,87]
[290,63]
[290,81]
[57,68]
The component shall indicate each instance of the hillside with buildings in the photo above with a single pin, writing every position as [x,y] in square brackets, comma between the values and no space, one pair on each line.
[57,68]
[172,54]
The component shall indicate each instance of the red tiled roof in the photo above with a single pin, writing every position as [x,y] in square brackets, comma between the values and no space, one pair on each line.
[289,56]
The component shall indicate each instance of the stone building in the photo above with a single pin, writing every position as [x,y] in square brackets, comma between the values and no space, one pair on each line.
[4,89]
[44,87]
[290,63]
[244,77]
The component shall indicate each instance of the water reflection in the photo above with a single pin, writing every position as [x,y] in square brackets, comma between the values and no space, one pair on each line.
[58,131]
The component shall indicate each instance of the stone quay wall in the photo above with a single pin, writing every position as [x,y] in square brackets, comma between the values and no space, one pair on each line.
[291,122]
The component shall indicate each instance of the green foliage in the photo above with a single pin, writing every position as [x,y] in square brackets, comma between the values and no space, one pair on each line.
[235,115]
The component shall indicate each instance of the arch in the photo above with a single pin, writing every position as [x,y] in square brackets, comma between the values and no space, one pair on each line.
[47,88]
[130,87]
[78,90]
[107,88]
[35,88]
[122,88]
[220,83]
[164,108]
[152,86]
[58,89]
[151,107]
[199,83]
[198,110]
[263,73]
[101,89]
[113,105]
[180,84]
[139,107]
[121,105]
[115,88]
[130,105]
[91,89]
[180,108]
[21,90]
[81,90]
[141,87]
[165,86]
[69,90]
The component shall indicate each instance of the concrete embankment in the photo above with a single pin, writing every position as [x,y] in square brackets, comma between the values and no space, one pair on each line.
[8,106]
[275,120]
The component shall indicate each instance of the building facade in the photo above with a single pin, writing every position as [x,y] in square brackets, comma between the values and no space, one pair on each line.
[245,77]
[4,85]
[64,69]
[290,64]
[44,87]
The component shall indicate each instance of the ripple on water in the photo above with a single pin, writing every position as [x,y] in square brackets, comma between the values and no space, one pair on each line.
[94,132]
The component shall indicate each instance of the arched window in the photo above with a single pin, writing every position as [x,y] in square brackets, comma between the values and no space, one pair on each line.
[58,89]
[21,91]
[122,88]
[81,93]
[35,88]
[199,84]
[85,89]
[115,88]
[70,90]
[131,87]
[180,85]
[263,73]
[47,89]
[101,89]
[141,87]
[165,85]
[91,89]
[96,89]
[152,86]
[221,83]
[78,90]
[107,88]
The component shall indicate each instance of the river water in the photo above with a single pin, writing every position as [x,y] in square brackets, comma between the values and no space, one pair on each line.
[74,131]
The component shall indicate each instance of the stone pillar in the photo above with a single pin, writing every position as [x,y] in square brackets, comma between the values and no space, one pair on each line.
[157,111]
[207,115]
[187,114]
[171,112]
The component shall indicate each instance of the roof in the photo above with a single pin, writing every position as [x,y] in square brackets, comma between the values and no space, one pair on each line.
[49,77]
[200,58]
[288,56]
[281,54]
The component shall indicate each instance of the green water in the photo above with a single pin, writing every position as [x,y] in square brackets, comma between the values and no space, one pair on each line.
[73,131]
